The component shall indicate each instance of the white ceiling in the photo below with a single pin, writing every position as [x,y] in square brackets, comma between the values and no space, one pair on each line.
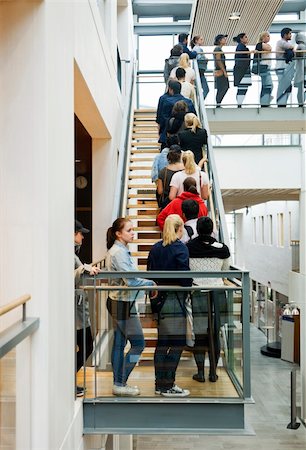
[212,18]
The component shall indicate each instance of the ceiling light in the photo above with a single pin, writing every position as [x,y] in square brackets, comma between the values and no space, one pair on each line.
[234,16]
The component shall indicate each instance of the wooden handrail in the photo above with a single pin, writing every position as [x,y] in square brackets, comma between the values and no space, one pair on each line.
[14,304]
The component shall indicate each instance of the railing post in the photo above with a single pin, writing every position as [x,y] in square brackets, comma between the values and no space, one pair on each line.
[293,425]
[246,334]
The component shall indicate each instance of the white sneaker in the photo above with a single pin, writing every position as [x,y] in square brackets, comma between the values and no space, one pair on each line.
[125,391]
[176,391]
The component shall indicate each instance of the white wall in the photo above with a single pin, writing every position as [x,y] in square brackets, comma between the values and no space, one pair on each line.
[41,44]
[267,262]
[258,167]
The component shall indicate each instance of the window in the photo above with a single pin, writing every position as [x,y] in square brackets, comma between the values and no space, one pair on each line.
[254,230]
[286,16]
[262,229]
[280,229]
[270,229]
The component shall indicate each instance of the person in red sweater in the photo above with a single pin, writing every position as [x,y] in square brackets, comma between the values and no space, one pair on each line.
[175,207]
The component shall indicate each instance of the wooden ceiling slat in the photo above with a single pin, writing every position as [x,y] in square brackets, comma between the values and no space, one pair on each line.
[212,18]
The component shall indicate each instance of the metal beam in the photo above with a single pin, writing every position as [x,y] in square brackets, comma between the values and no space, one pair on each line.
[155,29]
[16,333]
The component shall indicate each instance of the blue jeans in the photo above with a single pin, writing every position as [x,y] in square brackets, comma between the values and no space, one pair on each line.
[284,89]
[125,329]
[204,86]
[266,88]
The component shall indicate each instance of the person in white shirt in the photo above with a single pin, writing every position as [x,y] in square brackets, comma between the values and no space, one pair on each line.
[187,88]
[190,209]
[185,63]
[191,170]
[284,67]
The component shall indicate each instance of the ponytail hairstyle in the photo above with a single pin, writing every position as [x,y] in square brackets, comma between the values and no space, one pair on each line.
[194,40]
[192,121]
[239,37]
[190,185]
[189,163]
[111,235]
[172,224]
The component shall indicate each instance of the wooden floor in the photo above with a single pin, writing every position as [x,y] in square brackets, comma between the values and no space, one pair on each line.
[7,401]
[143,377]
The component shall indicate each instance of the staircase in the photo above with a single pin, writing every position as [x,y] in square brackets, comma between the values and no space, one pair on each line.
[141,205]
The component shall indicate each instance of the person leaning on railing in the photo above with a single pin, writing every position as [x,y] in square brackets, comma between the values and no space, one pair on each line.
[170,307]
[241,71]
[81,302]
[300,68]
[220,73]
[122,307]
[262,65]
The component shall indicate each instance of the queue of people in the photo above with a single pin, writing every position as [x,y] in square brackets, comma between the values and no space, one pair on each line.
[290,66]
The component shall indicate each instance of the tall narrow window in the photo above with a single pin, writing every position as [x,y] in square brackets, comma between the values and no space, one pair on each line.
[262,229]
[254,230]
[280,229]
[270,229]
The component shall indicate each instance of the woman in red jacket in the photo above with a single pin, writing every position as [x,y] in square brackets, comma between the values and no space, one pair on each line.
[175,207]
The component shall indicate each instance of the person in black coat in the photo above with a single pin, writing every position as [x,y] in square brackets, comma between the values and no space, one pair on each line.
[242,72]
[194,138]
[170,254]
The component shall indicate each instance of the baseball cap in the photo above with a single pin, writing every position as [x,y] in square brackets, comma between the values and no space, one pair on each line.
[219,37]
[78,227]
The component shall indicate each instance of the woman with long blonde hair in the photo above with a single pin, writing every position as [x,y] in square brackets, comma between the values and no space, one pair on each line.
[262,65]
[170,254]
[184,62]
[194,138]
[191,169]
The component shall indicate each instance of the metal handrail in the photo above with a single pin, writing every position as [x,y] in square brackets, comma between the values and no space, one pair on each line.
[216,190]
[120,196]
[14,304]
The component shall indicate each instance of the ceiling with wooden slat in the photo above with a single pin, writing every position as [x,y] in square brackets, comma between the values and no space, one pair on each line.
[212,18]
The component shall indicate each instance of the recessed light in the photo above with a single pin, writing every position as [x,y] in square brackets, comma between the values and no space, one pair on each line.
[234,16]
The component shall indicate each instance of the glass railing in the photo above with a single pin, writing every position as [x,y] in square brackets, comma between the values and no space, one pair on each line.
[267,87]
[213,330]
[10,354]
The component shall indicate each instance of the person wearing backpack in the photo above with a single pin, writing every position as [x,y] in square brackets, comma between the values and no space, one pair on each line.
[172,61]
[190,209]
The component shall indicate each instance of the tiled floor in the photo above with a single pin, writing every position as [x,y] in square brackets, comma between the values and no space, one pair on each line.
[268,417]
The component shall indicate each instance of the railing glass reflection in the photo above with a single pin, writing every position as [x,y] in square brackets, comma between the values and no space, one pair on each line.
[263,88]
[225,338]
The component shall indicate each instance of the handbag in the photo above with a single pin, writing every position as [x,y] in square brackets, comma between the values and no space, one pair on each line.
[218,73]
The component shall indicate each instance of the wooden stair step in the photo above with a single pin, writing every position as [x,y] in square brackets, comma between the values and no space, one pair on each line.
[140,177]
[147,229]
[143,254]
[145,123]
[144,151]
[142,207]
[143,196]
[142,217]
[142,186]
[144,135]
[148,159]
[133,167]
[142,110]
[145,241]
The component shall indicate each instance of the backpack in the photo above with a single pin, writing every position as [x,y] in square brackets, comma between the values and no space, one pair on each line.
[170,63]
[189,230]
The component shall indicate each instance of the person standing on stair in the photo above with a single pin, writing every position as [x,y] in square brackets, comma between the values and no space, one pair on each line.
[170,306]
[206,254]
[81,302]
[122,307]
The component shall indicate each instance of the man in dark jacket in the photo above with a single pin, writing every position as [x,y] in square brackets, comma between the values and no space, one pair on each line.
[183,40]
[172,62]
[165,107]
